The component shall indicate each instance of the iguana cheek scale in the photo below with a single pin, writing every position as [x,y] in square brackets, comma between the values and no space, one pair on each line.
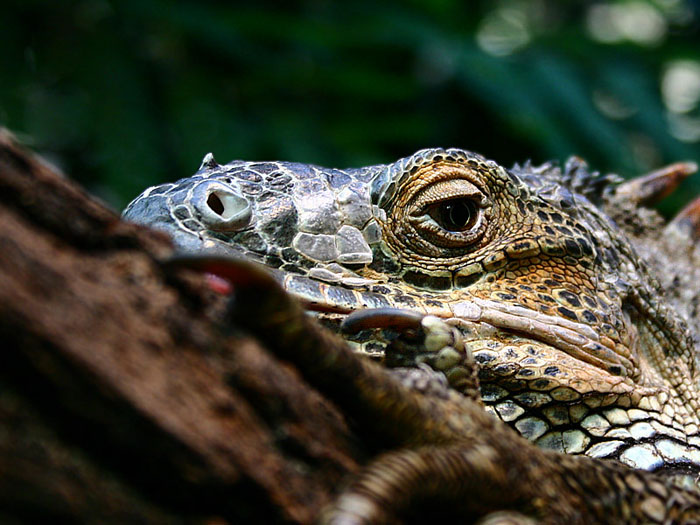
[551,274]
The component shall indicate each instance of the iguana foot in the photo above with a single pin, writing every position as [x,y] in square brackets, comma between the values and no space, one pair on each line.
[414,341]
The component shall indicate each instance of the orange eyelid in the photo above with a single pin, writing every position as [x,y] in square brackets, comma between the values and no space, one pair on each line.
[447,190]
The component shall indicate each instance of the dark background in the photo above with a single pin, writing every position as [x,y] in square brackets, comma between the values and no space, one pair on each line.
[125,94]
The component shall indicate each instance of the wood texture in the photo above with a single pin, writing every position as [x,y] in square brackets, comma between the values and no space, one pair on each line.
[123,395]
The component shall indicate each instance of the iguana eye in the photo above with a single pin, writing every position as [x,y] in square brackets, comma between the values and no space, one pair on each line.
[447,214]
[455,215]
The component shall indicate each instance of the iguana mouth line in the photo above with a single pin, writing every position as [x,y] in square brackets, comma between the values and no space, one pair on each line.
[325,308]
[578,340]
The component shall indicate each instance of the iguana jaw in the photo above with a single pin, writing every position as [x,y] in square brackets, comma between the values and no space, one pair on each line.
[577,340]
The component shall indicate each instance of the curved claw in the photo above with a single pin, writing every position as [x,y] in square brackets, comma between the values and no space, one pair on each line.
[650,188]
[235,271]
[395,318]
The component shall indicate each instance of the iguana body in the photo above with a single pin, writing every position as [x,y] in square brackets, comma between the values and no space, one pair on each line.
[580,349]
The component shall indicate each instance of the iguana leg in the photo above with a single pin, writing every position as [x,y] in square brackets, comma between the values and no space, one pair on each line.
[462,461]
[397,414]
[452,481]
[507,482]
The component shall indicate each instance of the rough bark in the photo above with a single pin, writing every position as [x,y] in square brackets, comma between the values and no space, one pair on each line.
[121,396]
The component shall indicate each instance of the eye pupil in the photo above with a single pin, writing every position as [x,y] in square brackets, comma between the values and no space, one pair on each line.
[455,215]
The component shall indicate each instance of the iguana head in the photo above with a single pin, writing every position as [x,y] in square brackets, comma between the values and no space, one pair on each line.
[554,301]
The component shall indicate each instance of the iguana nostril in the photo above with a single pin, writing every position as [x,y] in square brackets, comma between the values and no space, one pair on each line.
[226,204]
[214,202]
[221,208]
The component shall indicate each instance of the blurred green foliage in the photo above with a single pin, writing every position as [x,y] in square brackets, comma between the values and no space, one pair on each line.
[123,94]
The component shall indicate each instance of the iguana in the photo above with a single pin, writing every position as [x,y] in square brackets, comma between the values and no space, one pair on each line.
[575,303]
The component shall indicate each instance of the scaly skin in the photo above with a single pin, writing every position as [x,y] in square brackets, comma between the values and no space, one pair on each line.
[579,349]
